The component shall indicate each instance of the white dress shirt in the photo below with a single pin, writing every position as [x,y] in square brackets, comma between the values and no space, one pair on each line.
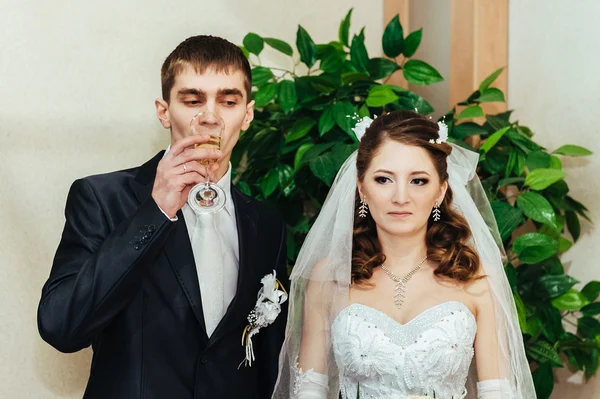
[226,226]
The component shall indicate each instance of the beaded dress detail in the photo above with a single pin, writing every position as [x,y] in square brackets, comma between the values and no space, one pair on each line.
[430,354]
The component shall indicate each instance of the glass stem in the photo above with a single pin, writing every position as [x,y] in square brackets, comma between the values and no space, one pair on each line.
[206,178]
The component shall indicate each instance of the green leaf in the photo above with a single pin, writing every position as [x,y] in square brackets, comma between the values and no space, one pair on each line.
[564,244]
[572,300]
[287,95]
[244,187]
[493,139]
[286,179]
[326,122]
[324,168]
[507,217]
[380,96]
[393,38]
[491,95]
[261,75]
[364,111]
[245,51]
[534,247]
[554,266]
[280,46]
[315,151]
[521,163]
[511,276]
[381,68]
[489,80]
[592,362]
[358,54]
[352,77]
[306,47]
[588,327]
[521,141]
[521,311]
[593,309]
[345,28]
[410,100]
[551,321]
[254,43]
[510,181]
[265,94]
[467,129]
[591,290]
[573,151]
[543,379]
[540,179]
[474,111]
[342,111]
[300,153]
[498,121]
[538,160]
[269,183]
[300,129]
[333,61]
[543,352]
[537,208]
[534,326]
[412,43]
[420,73]
[555,162]
[361,35]
[557,285]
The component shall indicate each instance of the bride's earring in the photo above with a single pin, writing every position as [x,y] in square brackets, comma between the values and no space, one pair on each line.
[363,209]
[437,214]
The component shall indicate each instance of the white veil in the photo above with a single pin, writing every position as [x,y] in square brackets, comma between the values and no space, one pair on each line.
[321,279]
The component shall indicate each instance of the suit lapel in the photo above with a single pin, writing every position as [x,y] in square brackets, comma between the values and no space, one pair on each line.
[242,303]
[177,247]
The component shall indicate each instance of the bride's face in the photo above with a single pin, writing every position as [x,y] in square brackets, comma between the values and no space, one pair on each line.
[401,187]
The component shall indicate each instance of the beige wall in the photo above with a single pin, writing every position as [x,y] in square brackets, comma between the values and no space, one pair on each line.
[434,17]
[554,87]
[77,83]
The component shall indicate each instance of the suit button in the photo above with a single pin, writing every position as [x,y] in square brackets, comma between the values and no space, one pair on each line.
[204,360]
[151,228]
[137,246]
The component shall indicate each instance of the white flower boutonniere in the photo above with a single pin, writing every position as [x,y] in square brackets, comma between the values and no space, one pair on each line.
[268,306]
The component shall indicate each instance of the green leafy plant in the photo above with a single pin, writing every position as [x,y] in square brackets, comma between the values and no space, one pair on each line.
[302,134]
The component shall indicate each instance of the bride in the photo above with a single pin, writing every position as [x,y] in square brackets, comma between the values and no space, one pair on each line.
[399,290]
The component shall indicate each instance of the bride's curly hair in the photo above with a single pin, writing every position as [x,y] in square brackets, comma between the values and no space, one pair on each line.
[446,239]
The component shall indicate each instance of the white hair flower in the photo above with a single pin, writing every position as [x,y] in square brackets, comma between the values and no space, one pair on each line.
[361,126]
[442,132]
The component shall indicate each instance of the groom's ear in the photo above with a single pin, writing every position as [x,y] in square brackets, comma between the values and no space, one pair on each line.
[249,116]
[162,112]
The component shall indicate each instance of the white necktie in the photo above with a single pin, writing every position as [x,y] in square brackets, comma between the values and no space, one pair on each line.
[206,246]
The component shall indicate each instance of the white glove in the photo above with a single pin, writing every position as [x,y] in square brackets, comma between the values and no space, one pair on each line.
[310,385]
[494,389]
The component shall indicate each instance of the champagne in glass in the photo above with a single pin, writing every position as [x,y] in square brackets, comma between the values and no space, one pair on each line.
[207,197]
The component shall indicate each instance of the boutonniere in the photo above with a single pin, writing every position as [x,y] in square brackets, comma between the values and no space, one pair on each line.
[268,306]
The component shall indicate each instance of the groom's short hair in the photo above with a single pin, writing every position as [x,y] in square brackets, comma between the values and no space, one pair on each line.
[204,52]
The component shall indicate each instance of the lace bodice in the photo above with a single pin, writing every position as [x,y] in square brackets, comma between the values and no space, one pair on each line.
[431,353]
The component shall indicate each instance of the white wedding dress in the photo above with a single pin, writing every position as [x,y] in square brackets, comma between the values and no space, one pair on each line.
[430,354]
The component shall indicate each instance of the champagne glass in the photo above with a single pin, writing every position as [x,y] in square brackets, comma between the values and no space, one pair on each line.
[207,197]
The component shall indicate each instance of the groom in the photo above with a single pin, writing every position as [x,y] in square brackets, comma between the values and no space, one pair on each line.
[162,299]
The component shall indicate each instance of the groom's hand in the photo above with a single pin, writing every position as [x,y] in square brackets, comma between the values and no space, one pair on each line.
[180,170]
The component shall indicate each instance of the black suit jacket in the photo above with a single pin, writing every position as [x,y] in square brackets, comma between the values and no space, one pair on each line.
[124,281]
